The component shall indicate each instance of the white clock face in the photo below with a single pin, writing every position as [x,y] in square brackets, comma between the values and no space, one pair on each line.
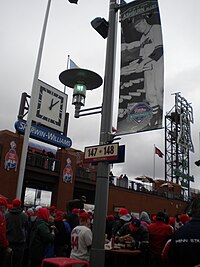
[50,107]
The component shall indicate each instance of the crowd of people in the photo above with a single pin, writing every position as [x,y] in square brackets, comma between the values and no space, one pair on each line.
[164,241]
[28,236]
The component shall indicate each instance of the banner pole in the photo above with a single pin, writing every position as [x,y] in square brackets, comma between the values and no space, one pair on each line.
[154,162]
[31,107]
[68,59]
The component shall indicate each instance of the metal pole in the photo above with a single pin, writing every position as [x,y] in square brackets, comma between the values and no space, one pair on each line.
[31,107]
[154,162]
[102,184]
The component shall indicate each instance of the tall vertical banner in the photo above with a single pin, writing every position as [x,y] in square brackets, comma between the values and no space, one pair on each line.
[142,68]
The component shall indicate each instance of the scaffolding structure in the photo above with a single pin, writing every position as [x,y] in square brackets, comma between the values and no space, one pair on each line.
[178,144]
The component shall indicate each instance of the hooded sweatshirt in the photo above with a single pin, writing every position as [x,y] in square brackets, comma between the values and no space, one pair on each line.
[40,236]
[144,218]
[16,223]
[43,214]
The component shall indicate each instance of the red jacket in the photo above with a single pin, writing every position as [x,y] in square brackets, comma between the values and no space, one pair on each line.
[3,241]
[159,233]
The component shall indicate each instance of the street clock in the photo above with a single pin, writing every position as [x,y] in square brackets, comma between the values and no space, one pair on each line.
[50,106]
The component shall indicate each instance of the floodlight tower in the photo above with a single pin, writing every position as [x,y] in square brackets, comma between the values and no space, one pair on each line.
[178,143]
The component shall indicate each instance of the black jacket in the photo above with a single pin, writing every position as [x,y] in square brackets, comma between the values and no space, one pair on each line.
[184,249]
[40,238]
[16,225]
[141,235]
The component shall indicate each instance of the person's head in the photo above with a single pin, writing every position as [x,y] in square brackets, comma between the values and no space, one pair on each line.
[16,203]
[172,221]
[140,23]
[135,224]
[84,219]
[9,206]
[30,212]
[184,218]
[144,216]
[37,208]
[75,211]
[124,215]
[52,210]
[43,213]
[58,215]
[110,218]
[160,216]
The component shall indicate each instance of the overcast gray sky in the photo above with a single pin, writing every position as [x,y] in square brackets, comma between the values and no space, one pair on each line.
[69,33]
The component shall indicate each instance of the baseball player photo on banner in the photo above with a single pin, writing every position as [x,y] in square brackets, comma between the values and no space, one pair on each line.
[142,68]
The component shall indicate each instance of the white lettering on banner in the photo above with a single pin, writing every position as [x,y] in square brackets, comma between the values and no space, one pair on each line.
[38,132]
[44,134]
[182,241]
[22,126]
[133,11]
[57,139]
[191,240]
[195,240]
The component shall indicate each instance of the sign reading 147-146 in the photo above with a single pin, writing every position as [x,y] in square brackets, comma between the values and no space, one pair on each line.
[101,153]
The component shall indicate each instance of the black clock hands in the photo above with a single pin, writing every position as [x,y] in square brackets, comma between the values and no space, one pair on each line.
[53,104]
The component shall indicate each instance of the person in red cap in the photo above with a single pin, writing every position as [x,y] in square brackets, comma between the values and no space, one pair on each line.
[41,238]
[62,242]
[5,250]
[75,210]
[81,239]
[184,218]
[124,217]
[16,224]
[159,234]
[73,218]
[134,235]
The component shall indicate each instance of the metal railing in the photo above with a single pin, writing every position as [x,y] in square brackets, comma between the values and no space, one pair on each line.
[43,162]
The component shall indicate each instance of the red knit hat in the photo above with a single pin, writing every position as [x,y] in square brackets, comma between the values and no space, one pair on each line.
[154,218]
[172,221]
[3,202]
[58,216]
[110,218]
[52,208]
[44,214]
[75,210]
[84,216]
[184,218]
[123,211]
[9,206]
[16,203]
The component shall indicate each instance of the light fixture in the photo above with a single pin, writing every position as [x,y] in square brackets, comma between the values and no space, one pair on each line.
[101,26]
[80,80]
[73,1]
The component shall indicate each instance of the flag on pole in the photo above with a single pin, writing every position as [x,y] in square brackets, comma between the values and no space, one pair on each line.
[72,64]
[158,152]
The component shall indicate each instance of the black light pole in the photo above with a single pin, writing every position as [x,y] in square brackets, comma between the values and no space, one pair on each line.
[97,258]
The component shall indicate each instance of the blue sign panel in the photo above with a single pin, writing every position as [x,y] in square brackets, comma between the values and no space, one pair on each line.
[44,134]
